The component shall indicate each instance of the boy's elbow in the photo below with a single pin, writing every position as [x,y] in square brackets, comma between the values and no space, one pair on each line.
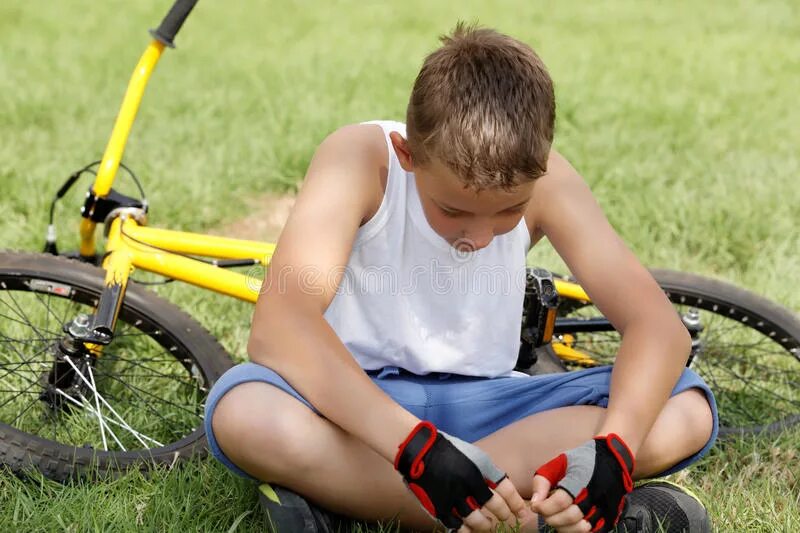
[669,332]
[263,333]
[271,331]
[681,340]
[256,348]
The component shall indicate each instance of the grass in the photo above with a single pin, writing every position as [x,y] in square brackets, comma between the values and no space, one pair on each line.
[680,115]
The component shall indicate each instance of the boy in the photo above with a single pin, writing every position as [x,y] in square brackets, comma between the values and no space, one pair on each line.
[381,374]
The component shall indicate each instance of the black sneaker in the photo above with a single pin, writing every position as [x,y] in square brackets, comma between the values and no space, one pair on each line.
[288,512]
[659,507]
[662,506]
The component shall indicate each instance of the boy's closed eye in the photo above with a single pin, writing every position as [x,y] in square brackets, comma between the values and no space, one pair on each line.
[456,213]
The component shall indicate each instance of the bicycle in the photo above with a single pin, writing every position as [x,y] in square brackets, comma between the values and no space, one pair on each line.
[97,373]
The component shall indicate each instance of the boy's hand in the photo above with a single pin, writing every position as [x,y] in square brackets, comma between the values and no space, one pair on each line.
[593,479]
[453,479]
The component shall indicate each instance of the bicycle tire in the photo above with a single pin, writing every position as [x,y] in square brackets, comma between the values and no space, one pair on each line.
[773,378]
[25,278]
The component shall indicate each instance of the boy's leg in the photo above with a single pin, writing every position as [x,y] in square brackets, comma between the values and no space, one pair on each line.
[682,429]
[514,418]
[276,438]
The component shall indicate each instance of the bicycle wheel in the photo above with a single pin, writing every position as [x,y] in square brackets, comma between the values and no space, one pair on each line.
[745,347]
[136,402]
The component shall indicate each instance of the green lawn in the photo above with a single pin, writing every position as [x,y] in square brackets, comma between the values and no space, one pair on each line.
[681,115]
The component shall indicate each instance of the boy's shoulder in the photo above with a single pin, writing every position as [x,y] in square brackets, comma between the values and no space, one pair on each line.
[365,138]
[362,149]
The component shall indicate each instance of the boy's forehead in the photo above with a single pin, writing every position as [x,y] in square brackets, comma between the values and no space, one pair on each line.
[447,189]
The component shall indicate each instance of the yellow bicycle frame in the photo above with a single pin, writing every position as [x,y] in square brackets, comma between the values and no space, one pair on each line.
[131,245]
[119,137]
[162,252]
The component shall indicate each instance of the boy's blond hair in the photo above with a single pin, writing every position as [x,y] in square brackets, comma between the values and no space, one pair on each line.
[483,105]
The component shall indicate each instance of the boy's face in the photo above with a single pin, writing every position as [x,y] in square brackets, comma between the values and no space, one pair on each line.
[466,219]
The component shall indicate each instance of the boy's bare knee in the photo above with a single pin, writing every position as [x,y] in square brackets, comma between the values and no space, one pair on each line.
[261,429]
[682,429]
[697,415]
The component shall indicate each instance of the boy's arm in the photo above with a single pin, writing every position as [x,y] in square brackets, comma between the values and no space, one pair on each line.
[655,344]
[289,333]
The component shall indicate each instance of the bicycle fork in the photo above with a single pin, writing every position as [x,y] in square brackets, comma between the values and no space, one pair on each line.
[85,335]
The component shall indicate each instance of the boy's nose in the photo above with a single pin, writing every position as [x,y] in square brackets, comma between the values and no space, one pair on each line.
[478,239]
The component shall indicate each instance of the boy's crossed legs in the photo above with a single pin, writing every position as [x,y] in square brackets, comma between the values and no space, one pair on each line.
[276,437]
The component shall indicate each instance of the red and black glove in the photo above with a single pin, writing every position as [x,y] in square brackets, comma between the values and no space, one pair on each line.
[450,477]
[597,474]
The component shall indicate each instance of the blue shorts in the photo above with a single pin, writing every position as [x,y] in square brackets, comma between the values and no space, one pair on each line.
[467,407]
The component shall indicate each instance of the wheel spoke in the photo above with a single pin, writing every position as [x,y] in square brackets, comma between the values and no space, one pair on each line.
[33,383]
[764,369]
[118,401]
[743,357]
[139,436]
[50,417]
[28,406]
[47,306]
[734,405]
[113,357]
[97,405]
[84,404]
[69,310]
[21,313]
[135,363]
[20,363]
[136,389]
[752,383]
[143,391]
[20,354]
[100,397]
[10,340]
[124,335]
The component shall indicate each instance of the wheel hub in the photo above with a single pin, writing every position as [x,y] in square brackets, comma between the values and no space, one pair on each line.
[69,376]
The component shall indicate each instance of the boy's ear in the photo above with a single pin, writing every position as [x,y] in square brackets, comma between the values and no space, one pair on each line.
[401,149]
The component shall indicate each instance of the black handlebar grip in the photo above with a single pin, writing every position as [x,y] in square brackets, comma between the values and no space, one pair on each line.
[173,21]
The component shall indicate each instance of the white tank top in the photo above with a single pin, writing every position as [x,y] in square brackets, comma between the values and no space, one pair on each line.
[408,299]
